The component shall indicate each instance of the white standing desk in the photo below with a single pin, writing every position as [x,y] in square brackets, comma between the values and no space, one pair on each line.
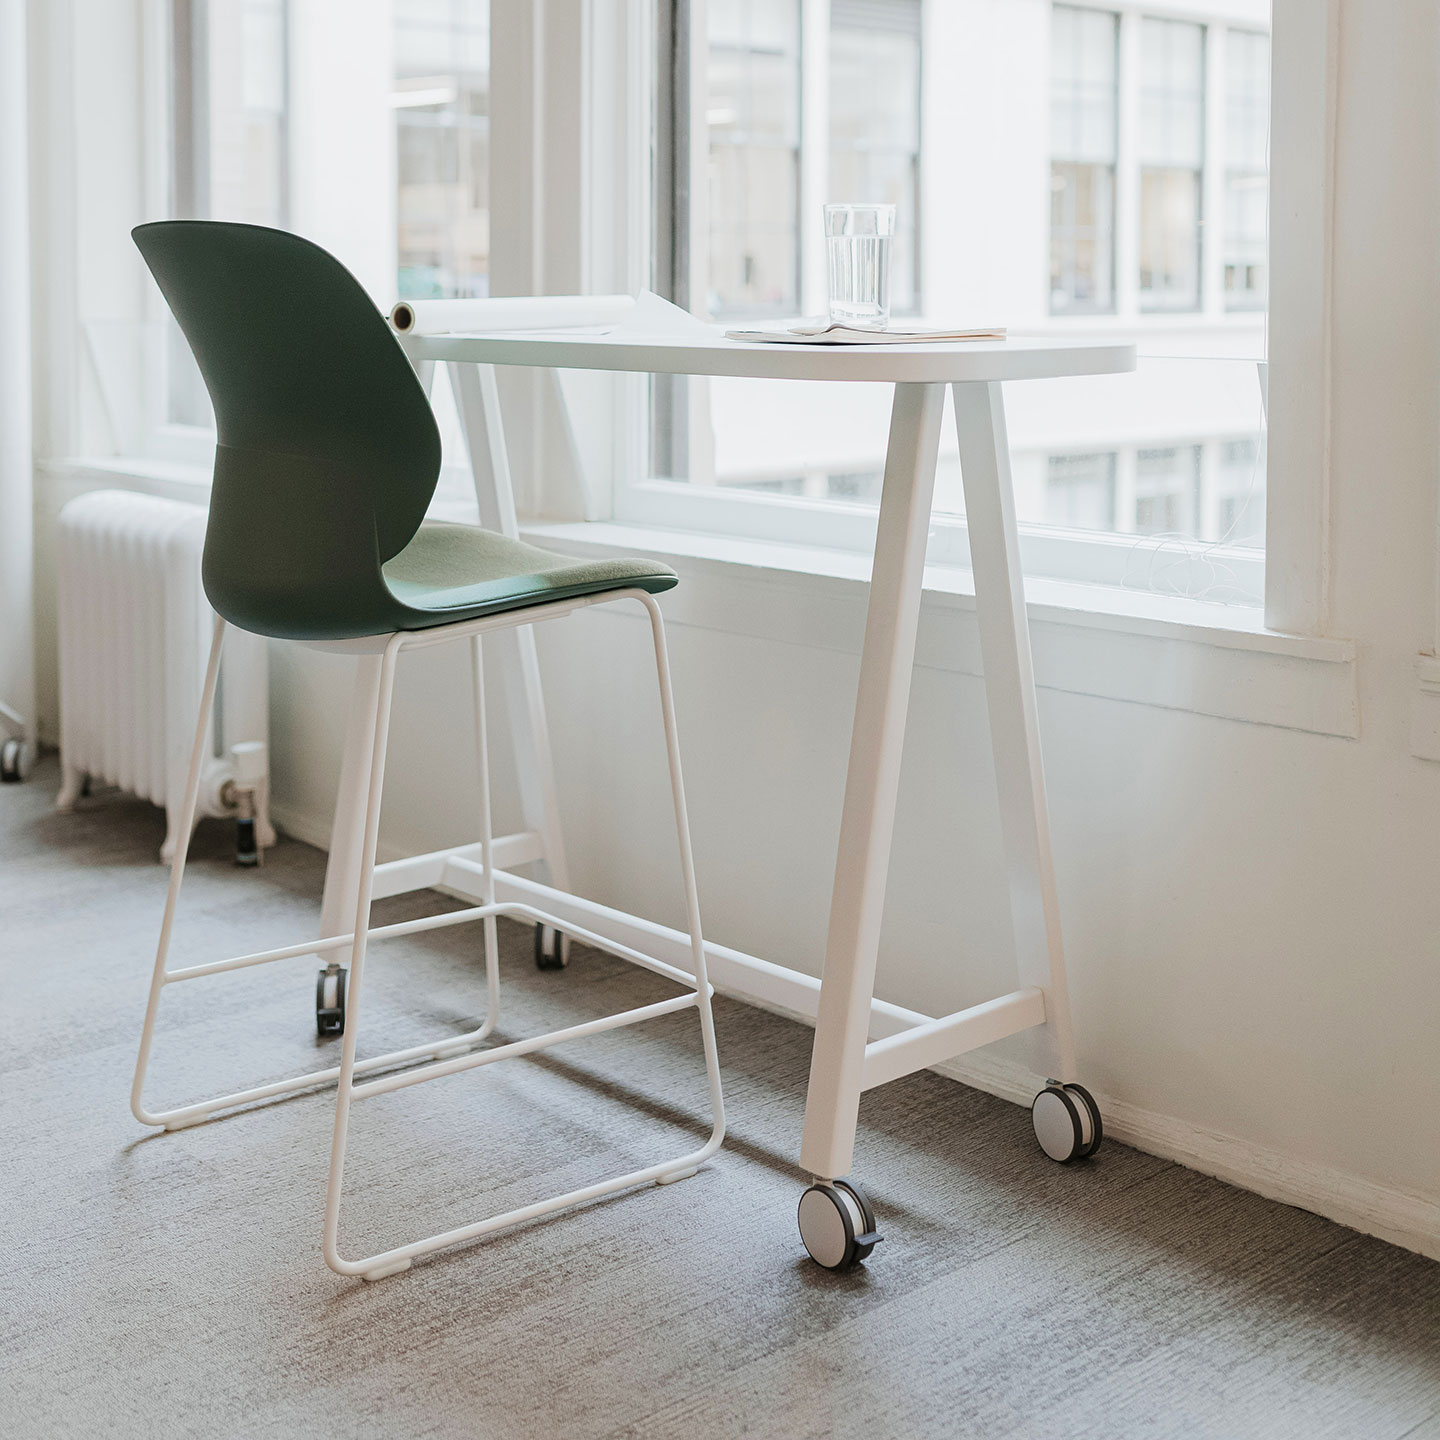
[859,1042]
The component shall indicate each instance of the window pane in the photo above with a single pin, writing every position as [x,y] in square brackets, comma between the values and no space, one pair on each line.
[1247,168]
[1167,490]
[1172,93]
[1082,237]
[1170,239]
[442,147]
[1240,518]
[1172,149]
[228,138]
[1080,491]
[1084,98]
[752,228]
[875,123]
[753,116]
[1084,109]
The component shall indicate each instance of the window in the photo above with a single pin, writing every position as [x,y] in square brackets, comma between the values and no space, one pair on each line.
[1240,519]
[1167,490]
[1247,188]
[753,115]
[1080,491]
[875,124]
[1172,149]
[1084,99]
[1067,179]
[442,147]
[228,143]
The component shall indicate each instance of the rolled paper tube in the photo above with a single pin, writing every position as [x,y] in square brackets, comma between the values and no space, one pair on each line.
[533,312]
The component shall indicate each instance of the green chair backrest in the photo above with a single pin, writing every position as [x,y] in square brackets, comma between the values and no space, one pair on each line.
[327,452]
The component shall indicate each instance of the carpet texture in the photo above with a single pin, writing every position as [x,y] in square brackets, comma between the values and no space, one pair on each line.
[172,1285]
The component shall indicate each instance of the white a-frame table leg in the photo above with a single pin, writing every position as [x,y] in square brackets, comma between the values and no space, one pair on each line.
[872,782]
[477,398]
[1014,722]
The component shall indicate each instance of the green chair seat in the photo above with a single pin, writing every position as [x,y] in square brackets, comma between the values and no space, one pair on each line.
[454,572]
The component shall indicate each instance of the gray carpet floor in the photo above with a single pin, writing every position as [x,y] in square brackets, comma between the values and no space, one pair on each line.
[172,1285]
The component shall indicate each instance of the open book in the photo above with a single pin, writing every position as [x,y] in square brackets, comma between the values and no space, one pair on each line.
[824,333]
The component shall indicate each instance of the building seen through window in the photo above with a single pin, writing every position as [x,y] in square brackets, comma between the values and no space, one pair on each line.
[753,115]
[1247,165]
[442,147]
[874,85]
[228,133]
[1172,157]
[1084,118]
[1061,168]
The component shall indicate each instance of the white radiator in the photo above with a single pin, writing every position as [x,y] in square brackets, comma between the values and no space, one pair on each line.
[135,631]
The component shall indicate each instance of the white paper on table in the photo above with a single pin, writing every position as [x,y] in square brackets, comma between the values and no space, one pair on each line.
[820,332]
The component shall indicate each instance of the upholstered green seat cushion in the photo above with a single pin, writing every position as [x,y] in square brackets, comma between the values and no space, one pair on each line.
[449,572]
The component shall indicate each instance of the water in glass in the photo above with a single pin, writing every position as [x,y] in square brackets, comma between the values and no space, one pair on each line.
[858,239]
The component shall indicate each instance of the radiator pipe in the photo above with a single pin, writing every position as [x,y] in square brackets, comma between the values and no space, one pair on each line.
[17,506]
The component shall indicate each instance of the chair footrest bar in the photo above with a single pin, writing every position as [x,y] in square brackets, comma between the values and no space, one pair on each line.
[405,1253]
[430,922]
[523,1047]
[951,1035]
[193,1114]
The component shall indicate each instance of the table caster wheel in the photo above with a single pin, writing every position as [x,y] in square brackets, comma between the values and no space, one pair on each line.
[552,948]
[1067,1122]
[330,1003]
[14,761]
[837,1224]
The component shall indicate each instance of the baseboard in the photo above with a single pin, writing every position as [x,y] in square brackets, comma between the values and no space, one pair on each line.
[1397,1216]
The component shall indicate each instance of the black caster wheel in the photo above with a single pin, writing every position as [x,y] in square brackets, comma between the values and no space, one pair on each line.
[330,1003]
[552,948]
[837,1224]
[1067,1122]
[14,761]
[247,852]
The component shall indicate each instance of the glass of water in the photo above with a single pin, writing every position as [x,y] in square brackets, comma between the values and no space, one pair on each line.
[858,239]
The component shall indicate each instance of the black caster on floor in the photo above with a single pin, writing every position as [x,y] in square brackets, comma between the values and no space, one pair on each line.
[247,852]
[14,761]
[1067,1122]
[837,1224]
[330,1003]
[552,948]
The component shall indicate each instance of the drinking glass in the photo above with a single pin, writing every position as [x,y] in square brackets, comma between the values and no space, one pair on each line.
[858,239]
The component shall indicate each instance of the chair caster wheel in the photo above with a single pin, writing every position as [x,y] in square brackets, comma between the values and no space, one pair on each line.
[837,1224]
[330,1003]
[552,948]
[1067,1122]
[14,761]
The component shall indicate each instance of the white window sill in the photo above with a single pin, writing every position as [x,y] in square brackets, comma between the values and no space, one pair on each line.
[1129,645]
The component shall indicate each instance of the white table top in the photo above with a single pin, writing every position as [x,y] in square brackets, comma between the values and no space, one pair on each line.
[712,354]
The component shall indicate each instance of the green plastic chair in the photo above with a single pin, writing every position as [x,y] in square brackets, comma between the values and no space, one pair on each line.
[327,454]
[326,459]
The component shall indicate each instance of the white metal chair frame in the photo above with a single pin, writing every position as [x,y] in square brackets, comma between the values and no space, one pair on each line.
[454,1053]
